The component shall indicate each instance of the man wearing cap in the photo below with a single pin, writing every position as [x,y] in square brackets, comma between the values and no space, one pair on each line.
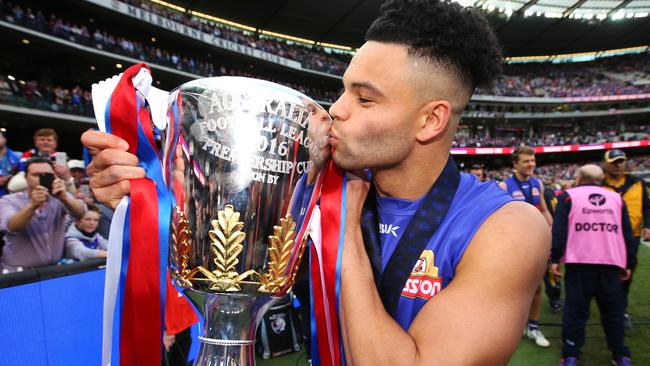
[77,171]
[632,189]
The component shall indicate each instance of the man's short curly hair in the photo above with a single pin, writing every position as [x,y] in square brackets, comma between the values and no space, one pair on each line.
[444,33]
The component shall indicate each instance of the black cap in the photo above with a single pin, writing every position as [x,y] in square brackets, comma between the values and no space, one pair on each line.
[614,154]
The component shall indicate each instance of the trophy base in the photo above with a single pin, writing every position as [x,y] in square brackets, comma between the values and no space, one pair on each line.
[228,325]
[212,354]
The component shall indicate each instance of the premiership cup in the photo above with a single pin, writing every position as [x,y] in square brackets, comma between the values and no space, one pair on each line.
[252,152]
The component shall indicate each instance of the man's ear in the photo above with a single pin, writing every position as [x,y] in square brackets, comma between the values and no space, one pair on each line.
[435,119]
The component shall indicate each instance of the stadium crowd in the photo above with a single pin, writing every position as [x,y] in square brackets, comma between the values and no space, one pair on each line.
[33,94]
[81,34]
[562,174]
[311,57]
[617,75]
[76,100]
[555,137]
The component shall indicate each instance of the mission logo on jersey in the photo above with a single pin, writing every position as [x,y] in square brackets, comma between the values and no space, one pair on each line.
[424,281]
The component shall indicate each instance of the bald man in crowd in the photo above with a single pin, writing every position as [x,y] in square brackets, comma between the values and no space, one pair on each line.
[592,231]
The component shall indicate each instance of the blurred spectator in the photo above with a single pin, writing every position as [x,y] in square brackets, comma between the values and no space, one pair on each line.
[479,171]
[635,195]
[78,171]
[8,164]
[45,142]
[596,133]
[563,173]
[82,241]
[34,220]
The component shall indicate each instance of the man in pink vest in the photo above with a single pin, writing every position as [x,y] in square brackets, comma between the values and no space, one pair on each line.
[592,231]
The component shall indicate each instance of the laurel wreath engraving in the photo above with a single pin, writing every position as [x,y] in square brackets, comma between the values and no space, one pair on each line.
[281,245]
[226,244]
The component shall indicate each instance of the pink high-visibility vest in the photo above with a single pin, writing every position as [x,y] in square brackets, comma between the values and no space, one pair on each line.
[595,234]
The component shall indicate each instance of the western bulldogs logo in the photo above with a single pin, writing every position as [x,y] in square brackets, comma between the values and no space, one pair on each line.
[518,195]
[278,323]
[424,281]
[597,199]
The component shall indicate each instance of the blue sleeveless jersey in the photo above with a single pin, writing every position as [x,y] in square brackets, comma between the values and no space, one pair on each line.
[530,190]
[473,202]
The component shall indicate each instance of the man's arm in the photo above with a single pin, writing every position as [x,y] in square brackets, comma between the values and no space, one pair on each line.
[74,248]
[645,205]
[75,207]
[21,219]
[543,206]
[631,246]
[493,288]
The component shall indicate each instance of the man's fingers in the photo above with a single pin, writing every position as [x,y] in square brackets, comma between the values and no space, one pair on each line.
[109,157]
[96,141]
[115,174]
[112,195]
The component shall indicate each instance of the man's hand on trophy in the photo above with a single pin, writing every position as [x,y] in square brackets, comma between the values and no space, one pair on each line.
[111,168]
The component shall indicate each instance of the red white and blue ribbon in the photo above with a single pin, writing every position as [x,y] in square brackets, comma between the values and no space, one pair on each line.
[136,274]
[325,270]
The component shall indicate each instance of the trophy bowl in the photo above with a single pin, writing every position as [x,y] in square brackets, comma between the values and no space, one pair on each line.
[252,152]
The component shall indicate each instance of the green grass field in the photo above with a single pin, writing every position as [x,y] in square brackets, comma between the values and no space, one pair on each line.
[595,350]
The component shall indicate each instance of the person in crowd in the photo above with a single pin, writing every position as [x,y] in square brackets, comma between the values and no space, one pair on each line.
[8,164]
[523,186]
[592,231]
[479,171]
[404,93]
[635,195]
[552,284]
[34,220]
[45,143]
[82,241]
[78,171]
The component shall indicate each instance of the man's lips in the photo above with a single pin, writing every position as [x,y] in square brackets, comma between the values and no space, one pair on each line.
[333,139]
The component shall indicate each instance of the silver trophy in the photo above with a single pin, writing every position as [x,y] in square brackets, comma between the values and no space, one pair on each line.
[252,152]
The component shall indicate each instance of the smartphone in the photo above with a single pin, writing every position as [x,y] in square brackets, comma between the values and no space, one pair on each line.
[46,179]
[61,158]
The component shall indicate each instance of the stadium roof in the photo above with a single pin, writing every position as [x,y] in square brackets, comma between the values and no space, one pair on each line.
[525,27]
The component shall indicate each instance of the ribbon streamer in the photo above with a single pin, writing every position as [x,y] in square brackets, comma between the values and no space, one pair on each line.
[325,269]
[137,281]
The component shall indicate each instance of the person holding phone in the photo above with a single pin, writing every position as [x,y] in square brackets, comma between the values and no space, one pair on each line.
[34,220]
